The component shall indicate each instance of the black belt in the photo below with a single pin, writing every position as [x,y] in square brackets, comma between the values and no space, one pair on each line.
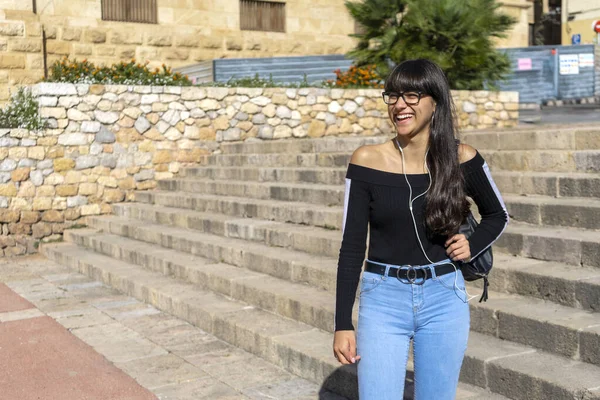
[411,274]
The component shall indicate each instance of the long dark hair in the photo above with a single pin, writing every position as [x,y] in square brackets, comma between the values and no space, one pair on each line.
[446,204]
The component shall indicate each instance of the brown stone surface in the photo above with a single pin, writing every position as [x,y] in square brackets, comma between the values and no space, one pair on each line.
[42,360]
[10,301]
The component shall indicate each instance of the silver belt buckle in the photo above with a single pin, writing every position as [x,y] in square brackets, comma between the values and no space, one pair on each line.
[411,276]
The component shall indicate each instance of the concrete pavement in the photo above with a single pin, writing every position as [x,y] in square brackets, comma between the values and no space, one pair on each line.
[65,336]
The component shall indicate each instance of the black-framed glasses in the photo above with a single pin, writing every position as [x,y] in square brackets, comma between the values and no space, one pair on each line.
[410,98]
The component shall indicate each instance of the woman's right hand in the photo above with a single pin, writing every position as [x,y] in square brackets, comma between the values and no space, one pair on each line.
[344,347]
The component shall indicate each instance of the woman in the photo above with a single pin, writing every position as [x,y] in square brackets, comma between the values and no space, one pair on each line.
[411,191]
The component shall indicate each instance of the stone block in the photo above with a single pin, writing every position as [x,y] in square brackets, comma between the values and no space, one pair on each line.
[587,140]
[25,45]
[12,61]
[12,28]
[19,229]
[80,49]
[95,36]
[55,152]
[42,203]
[66,190]
[159,40]
[54,89]
[8,190]
[73,139]
[41,230]
[106,117]
[20,174]
[126,37]
[70,34]
[58,48]
[105,136]
[53,216]
[7,216]
[30,217]
[63,164]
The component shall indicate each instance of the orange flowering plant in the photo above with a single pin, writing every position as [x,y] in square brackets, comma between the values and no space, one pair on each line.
[124,73]
[357,77]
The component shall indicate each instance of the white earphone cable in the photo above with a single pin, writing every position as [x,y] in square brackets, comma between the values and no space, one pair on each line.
[410,206]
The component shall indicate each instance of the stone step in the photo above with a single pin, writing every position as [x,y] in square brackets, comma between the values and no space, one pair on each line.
[563,137]
[307,239]
[279,160]
[574,246]
[568,332]
[570,285]
[297,301]
[306,351]
[567,245]
[548,183]
[586,161]
[307,145]
[554,184]
[295,266]
[540,138]
[325,195]
[574,212]
[324,175]
[283,211]
[582,161]
[549,211]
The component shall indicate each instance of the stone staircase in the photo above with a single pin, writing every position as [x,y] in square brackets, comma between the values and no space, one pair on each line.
[245,247]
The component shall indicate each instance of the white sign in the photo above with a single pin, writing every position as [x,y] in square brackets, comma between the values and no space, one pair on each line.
[586,60]
[569,64]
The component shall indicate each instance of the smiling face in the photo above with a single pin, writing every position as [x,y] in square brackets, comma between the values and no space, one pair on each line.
[412,118]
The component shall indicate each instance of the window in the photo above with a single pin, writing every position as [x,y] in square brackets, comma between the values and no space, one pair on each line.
[143,11]
[262,16]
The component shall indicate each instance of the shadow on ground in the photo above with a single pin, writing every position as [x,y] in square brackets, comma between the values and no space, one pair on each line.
[343,382]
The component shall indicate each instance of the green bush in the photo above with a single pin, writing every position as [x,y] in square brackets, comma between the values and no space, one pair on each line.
[21,112]
[123,73]
[459,36]
[258,82]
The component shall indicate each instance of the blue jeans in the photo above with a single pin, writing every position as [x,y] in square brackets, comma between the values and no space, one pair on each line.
[435,315]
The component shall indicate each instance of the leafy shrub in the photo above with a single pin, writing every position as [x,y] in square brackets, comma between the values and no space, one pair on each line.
[357,77]
[130,73]
[21,112]
[258,82]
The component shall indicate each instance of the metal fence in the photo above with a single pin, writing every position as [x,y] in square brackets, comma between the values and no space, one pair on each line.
[541,73]
[281,69]
[538,73]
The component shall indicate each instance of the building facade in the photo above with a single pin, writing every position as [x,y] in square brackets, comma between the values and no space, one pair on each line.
[577,19]
[35,33]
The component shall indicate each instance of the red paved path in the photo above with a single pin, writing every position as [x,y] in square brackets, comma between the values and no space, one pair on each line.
[40,359]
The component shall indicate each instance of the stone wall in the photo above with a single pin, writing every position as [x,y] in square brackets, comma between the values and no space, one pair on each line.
[105,142]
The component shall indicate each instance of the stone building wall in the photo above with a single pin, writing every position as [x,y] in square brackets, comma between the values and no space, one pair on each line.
[21,57]
[105,142]
[184,35]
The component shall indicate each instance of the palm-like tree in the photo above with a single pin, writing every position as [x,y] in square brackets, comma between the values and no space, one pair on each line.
[459,35]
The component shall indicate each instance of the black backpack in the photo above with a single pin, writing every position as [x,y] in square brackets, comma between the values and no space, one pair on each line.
[480,266]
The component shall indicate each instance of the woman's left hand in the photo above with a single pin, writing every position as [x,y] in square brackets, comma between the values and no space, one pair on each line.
[458,249]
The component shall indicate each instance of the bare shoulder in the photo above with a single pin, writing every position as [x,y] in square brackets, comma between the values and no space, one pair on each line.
[366,155]
[466,153]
